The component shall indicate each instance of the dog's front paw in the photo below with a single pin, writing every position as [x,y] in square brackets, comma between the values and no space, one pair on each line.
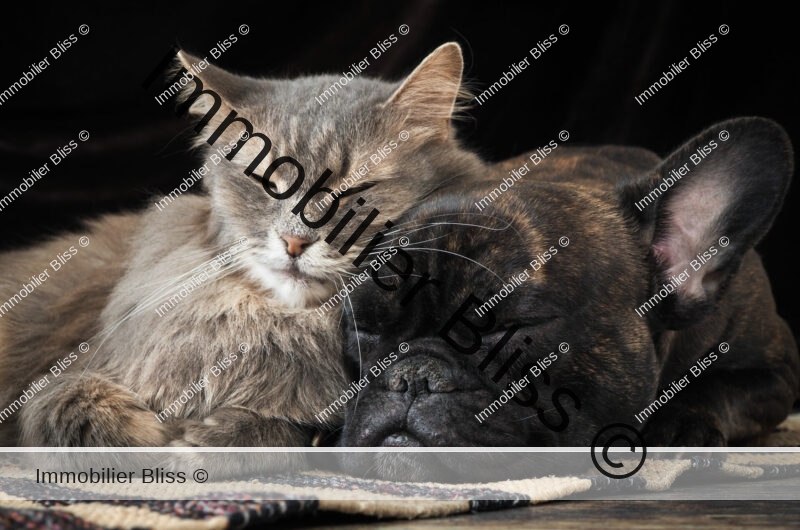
[690,429]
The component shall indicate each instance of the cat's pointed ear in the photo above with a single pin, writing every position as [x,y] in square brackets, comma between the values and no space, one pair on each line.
[204,87]
[428,96]
[704,207]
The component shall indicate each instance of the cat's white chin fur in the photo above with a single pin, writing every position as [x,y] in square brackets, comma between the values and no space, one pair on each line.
[290,291]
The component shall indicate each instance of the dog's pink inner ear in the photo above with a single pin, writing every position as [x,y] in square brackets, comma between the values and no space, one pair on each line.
[427,98]
[708,189]
[692,221]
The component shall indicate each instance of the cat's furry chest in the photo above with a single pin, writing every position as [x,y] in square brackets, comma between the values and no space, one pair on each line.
[226,343]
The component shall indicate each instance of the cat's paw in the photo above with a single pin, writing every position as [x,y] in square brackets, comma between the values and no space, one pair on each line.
[240,427]
[91,411]
[235,427]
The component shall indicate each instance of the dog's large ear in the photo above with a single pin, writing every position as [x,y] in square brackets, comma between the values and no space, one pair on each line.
[705,206]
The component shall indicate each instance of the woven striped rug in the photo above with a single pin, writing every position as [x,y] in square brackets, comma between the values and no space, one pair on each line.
[328,492]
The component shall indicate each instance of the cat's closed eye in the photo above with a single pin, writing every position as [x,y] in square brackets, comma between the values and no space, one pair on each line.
[357,189]
[260,179]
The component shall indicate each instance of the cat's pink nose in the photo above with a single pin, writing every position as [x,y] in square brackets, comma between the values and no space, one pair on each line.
[295,245]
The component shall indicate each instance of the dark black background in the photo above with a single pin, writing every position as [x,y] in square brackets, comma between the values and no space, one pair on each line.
[585,84]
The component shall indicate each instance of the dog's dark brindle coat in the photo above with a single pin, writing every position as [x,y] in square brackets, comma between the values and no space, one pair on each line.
[586,295]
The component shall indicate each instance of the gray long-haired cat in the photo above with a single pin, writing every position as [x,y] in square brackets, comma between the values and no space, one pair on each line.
[194,322]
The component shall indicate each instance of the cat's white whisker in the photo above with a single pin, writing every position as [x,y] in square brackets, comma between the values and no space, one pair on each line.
[534,415]
[459,255]
[508,222]
[415,242]
[358,343]
[429,225]
[150,301]
[397,276]
[196,269]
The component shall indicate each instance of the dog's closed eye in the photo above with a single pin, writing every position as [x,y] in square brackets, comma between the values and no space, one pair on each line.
[527,323]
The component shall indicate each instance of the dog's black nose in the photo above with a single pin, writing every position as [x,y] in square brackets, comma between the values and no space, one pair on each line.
[420,375]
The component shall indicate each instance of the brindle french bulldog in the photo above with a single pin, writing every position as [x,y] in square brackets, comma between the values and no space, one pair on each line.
[596,293]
